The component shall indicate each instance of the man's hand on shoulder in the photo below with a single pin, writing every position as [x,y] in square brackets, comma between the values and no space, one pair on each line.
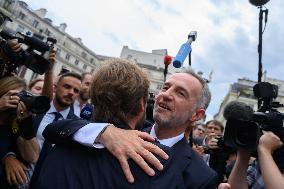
[132,144]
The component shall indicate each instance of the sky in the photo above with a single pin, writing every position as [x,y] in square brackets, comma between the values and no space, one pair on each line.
[227,33]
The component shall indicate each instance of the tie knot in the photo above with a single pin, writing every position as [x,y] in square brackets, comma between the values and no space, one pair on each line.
[57,116]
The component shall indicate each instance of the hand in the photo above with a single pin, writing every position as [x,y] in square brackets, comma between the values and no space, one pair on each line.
[15,171]
[15,46]
[125,144]
[224,186]
[212,143]
[9,100]
[22,112]
[51,58]
[198,149]
[269,142]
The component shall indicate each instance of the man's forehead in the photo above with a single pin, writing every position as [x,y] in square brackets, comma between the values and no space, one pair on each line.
[70,80]
[184,80]
[213,125]
[88,77]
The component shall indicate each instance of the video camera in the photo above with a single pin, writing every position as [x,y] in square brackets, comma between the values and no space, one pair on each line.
[33,57]
[244,127]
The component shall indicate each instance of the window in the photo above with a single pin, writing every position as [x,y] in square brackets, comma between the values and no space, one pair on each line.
[58,51]
[76,62]
[159,86]
[64,70]
[20,29]
[85,67]
[91,60]
[35,23]
[84,55]
[21,16]
[7,4]
[47,32]
[67,57]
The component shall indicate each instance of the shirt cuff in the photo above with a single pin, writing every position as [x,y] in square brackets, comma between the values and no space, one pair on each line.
[9,154]
[88,134]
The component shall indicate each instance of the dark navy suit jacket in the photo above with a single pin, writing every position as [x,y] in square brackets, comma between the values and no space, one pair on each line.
[73,166]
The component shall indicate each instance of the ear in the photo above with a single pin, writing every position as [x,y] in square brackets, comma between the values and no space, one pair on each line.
[199,114]
[54,87]
[142,105]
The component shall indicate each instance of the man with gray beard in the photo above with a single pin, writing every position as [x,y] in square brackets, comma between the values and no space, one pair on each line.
[182,101]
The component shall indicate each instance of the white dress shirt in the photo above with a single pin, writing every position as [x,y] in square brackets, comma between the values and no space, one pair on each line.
[47,119]
[77,108]
[88,134]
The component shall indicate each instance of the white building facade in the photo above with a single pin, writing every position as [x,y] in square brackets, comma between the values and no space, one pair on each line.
[152,62]
[72,54]
[242,91]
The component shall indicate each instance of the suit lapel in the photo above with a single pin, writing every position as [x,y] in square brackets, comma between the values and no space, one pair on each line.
[182,154]
[36,120]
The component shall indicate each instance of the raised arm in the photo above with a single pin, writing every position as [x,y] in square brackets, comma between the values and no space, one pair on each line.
[238,176]
[272,177]
[47,89]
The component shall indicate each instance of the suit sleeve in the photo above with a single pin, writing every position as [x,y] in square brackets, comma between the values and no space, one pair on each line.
[212,182]
[61,132]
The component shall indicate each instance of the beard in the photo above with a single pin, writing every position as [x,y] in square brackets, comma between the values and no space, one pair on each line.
[84,96]
[61,102]
[171,120]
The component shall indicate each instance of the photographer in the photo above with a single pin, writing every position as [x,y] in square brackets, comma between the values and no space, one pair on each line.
[262,173]
[18,146]
[47,83]
[214,152]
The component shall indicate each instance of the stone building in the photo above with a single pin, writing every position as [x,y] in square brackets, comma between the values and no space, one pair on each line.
[72,54]
[153,62]
[242,91]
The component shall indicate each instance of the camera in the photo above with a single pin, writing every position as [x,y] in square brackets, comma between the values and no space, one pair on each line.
[35,104]
[33,57]
[244,132]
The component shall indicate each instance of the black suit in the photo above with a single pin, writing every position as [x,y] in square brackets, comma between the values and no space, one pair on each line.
[81,167]
[36,123]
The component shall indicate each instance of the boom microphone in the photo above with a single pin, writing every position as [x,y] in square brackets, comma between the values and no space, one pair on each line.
[241,131]
[238,111]
[184,50]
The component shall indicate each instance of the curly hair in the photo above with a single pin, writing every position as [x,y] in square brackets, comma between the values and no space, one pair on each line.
[117,89]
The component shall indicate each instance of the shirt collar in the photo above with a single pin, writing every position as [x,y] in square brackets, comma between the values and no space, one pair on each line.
[64,112]
[77,103]
[169,141]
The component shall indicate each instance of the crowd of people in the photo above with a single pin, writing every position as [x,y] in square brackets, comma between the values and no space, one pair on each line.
[114,148]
